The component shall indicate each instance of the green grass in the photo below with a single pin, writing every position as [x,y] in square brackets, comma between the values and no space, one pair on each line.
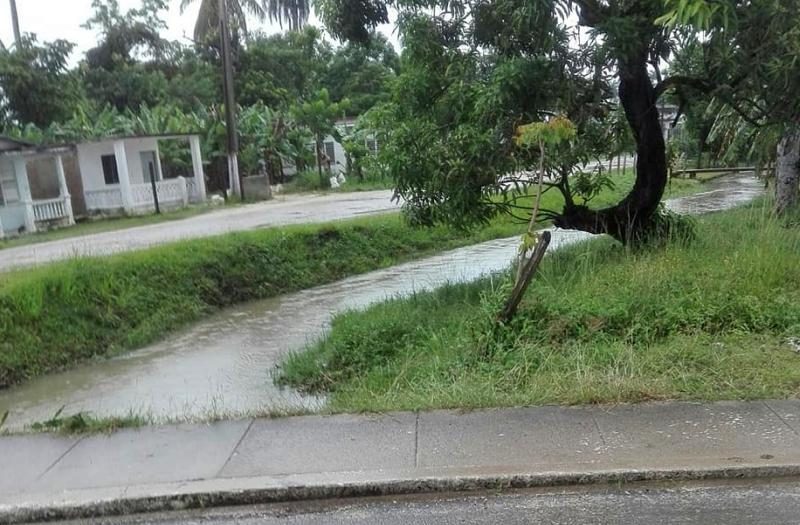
[89,227]
[84,423]
[601,324]
[55,316]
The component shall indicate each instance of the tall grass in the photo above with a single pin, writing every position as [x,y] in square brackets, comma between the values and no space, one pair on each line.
[601,323]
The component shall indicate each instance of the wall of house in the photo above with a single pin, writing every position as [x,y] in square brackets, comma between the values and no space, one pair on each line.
[12,215]
[13,218]
[91,166]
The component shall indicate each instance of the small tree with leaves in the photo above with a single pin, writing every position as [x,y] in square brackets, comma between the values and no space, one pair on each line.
[538,135]
[319,116]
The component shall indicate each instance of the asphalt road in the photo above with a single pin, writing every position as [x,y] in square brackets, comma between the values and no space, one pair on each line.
[763,502]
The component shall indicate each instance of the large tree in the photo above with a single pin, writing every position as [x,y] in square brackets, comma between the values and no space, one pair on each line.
[490,65]
[36,85]
[362,73]
[280,69]
[123,70]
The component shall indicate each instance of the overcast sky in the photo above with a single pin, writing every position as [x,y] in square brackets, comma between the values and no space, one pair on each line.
[53,19]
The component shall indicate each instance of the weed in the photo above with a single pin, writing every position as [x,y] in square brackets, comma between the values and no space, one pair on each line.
[85,423]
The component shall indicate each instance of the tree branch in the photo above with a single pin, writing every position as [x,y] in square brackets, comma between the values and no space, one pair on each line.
[674,81]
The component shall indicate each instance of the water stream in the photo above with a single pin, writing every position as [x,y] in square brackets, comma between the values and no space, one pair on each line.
[222,365]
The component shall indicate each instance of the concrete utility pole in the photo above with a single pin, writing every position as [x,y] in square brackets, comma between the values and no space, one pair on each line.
[234,177]
[15,22]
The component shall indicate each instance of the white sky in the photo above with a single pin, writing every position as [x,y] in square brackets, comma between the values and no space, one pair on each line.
[53,19]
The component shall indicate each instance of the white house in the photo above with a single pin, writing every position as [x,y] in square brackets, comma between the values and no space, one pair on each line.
[19,212]
[334,150]
[116,174]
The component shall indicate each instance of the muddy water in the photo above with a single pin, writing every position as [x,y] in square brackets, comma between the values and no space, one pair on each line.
[222,365]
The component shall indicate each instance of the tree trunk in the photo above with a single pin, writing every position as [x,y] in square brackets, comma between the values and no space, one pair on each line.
[319,162]
[527,270]
[632,215]
[787,172]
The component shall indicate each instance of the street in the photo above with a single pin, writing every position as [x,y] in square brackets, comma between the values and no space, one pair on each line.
[290,209]
[733,503]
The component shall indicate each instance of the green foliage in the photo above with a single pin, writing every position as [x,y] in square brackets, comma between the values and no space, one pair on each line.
[280,69]
[35,82]
[549,133]
[362,73]
[319,116]
[707,320]
[703,14]
[112,73]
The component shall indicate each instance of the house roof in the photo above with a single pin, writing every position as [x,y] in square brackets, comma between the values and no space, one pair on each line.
[9,144]
[164,136]
[14,147]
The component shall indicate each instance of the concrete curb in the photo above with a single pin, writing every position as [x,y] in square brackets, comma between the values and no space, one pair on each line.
[251,491]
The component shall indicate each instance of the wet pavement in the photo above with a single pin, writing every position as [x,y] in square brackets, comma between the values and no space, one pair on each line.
[222,365]
[291,209]
[740,503]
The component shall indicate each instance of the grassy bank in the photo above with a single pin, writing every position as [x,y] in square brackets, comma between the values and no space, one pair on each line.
[711,320]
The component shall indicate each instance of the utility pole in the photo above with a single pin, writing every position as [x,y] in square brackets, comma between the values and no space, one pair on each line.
[15,22]
[234,177]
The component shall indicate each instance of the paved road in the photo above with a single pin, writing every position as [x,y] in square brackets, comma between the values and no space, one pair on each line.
[287,210]
[773,502]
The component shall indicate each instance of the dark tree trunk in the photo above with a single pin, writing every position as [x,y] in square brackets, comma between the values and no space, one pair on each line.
[787,172]
[633,215]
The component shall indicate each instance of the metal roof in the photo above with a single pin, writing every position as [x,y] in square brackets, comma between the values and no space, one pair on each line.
[9,144]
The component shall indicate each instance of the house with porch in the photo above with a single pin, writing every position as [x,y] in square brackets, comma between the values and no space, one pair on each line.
[115,176]
[119,175]
[19,211]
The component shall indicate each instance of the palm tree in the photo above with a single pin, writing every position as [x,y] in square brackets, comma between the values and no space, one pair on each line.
[293,12]
[15,23]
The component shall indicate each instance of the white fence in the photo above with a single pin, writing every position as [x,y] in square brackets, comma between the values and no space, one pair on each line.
[193,190]
[106,199]
[171,193]
[50,210]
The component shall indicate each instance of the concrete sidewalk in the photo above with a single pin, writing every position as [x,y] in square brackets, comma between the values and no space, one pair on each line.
[265,460]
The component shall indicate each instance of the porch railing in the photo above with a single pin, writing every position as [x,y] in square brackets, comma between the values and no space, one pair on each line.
[170,191]
[106,199]
[50,210]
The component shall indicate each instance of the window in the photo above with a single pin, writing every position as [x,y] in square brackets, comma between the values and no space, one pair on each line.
[110,173]
[9,191]
[330,151]
[372,145]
